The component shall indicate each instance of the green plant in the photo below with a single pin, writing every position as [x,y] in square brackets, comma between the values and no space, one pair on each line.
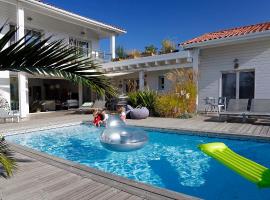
[38,56]
[145,98]
[151,49]
[180,101]
[167,46]
[168,105]
[7,160]
[120,52]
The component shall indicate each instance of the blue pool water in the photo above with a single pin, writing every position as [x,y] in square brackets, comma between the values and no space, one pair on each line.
[170,161]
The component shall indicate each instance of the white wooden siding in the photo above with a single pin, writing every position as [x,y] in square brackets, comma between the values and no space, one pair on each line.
[251,55]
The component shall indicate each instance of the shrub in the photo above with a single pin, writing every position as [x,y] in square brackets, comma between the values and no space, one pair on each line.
[146,98]
[167,46]
[151,49]
[120,52]
[134,54]
[181,100]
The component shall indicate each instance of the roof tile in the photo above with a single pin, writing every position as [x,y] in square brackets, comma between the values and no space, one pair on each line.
[233,32]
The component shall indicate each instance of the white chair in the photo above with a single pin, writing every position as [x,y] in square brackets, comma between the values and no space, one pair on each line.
[4,114]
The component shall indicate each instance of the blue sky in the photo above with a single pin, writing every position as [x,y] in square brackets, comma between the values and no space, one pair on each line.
[151,21]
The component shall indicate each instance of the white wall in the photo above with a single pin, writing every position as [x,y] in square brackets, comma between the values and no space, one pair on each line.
[251,55]
[152,80]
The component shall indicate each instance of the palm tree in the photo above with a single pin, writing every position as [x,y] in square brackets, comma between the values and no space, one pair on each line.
[38,56]
[7,161]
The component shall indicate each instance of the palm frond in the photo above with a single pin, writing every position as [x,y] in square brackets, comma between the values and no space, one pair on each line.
[39,56]
[7,161]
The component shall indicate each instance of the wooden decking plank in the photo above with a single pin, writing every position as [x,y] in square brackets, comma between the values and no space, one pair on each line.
[135,198]
[264,130]
[62,183]
[28,181]
[70,190]
[120,196]
[251,130]
[245,129]
[31,185]
[81,190]
[106,194]
[257,130]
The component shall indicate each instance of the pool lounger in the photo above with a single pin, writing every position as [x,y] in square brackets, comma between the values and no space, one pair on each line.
[236,107]
[249,169]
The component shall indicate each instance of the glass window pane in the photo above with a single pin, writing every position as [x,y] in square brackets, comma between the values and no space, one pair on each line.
[229,85]
[246,85]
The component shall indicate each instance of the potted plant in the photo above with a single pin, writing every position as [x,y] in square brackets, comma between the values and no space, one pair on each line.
[150,50]
[120,53]
[134,54]
[167,46]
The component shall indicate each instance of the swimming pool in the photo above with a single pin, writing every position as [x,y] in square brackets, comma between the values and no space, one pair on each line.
[169,160]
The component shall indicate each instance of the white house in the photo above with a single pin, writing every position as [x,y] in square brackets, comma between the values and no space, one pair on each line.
[34,17]
[232,63]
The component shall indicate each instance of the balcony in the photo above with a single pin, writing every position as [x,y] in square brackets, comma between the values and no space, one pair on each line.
[100,56]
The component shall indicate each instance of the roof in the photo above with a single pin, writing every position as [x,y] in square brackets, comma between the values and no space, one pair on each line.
[71,14]
[229,33]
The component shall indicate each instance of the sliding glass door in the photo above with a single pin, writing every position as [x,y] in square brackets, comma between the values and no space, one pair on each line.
[240,84]
[229,85]
[246,85]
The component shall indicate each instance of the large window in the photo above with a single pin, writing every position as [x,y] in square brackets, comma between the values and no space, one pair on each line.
[240,84]
[13,39]
[83,46]
[246,85]
[229,85]
[14,93]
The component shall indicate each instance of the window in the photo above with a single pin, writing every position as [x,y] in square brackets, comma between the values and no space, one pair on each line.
[28,32]
[33,34]
[246,85]
[239,85]
[229,85]
[83,46]
[13,39]
[161,82]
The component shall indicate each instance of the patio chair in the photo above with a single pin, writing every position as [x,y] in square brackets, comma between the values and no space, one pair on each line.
[210,104]
[259,108]
[4,114]
[214,105]
[236,108]
[86,107]
[98,105]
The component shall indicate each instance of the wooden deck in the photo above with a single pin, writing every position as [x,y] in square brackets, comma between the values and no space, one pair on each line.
[41,176]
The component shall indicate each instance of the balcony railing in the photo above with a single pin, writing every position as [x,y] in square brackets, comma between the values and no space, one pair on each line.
[101,56]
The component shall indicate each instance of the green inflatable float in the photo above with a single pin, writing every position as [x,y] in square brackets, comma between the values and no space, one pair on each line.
[250,170]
